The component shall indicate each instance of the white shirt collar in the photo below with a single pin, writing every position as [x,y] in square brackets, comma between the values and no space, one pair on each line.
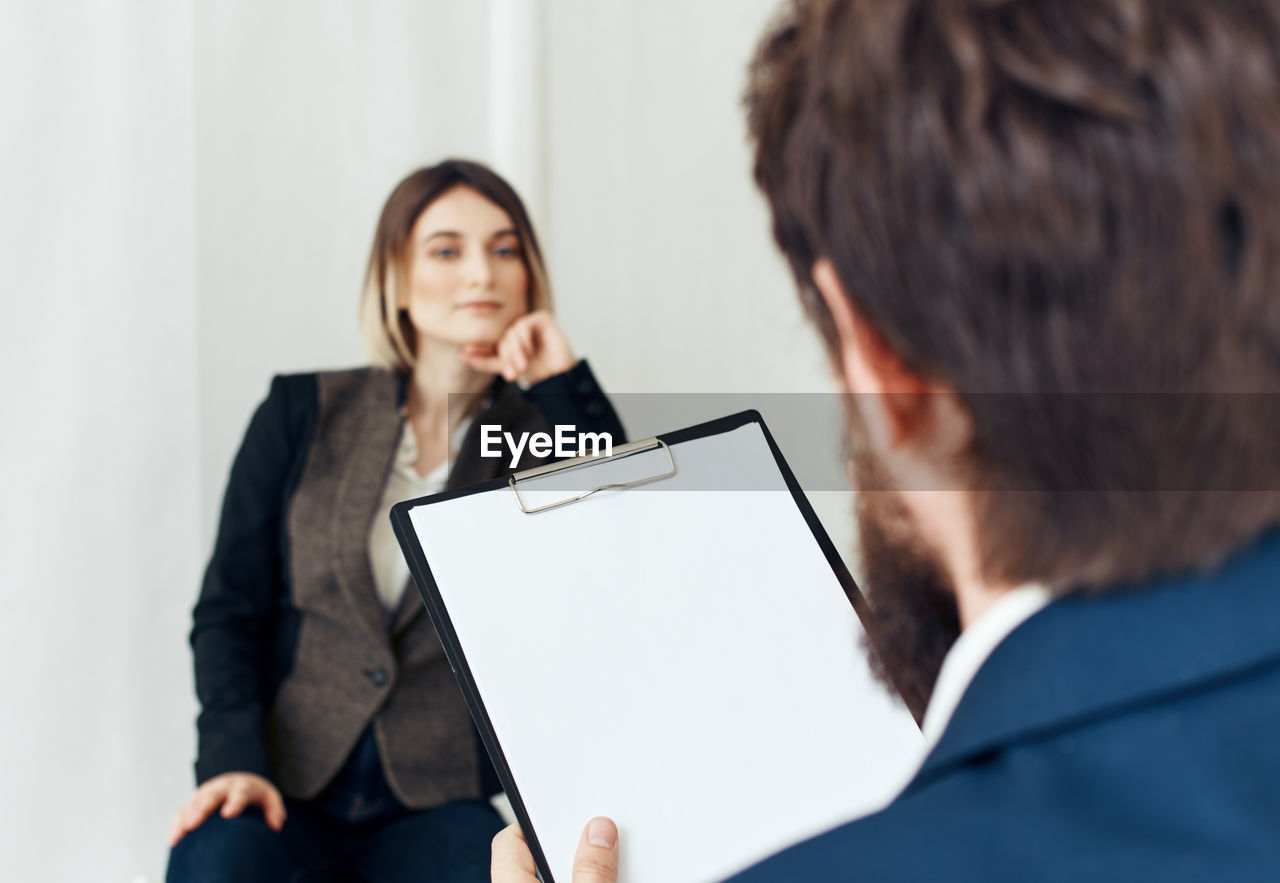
[971,650]
[406,458]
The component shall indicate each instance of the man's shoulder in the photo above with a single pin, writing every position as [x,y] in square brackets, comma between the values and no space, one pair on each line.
[1102,741]
[1175,790]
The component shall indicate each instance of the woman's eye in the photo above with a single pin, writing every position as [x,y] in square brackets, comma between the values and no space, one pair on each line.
[444,253]
[507,251]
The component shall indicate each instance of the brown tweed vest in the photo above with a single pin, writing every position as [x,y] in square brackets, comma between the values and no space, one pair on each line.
[354,663]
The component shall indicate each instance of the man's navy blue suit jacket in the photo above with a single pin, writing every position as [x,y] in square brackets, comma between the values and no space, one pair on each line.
[1128,737]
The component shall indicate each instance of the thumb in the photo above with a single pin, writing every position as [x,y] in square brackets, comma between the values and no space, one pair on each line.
[481,357]
[597,858]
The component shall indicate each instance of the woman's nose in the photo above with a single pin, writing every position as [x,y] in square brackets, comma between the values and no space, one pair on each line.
[479,272]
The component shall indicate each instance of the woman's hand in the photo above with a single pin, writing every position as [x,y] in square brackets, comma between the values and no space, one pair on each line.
[233,792]
[596,861]
[532,348]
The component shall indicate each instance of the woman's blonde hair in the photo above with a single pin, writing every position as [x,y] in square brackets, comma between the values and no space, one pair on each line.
[389,337]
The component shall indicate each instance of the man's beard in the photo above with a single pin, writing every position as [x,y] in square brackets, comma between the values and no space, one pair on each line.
[913,618]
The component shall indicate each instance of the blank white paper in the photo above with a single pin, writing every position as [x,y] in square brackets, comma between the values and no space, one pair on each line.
[677,656]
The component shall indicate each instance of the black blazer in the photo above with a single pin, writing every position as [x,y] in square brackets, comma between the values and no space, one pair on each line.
[294,655]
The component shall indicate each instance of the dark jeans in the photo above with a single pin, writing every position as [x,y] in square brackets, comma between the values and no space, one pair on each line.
[355,829]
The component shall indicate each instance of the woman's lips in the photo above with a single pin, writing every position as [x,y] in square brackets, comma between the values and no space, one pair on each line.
[483,307]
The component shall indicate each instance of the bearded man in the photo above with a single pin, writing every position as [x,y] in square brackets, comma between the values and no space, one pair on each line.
[1041,241]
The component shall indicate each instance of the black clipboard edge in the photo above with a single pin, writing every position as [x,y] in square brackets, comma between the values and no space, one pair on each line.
[402,526]
[742,418]
[847,582]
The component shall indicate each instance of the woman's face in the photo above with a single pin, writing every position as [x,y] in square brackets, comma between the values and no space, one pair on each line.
[466,273]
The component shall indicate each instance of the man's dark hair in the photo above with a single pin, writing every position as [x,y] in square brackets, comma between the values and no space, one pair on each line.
[1068,213]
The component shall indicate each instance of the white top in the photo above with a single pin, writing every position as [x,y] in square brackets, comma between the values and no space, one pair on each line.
[972,648]
[390,570]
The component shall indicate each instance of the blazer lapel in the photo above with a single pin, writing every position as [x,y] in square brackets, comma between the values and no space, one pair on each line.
[1087,657]
[510,410]
[359,495]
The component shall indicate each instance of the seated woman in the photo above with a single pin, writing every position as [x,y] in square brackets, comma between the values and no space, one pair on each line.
[332,736]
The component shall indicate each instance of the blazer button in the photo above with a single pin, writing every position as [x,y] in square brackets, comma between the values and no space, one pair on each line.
[377,676]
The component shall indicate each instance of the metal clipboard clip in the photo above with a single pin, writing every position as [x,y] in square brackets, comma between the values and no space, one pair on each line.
[622,451]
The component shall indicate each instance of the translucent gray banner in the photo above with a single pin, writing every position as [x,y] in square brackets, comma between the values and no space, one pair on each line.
[1096,442]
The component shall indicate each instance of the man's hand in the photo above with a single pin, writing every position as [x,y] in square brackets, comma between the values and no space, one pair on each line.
[596,861]
[531,349]
[233,792]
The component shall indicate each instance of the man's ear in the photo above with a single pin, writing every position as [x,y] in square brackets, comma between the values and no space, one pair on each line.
[885,390]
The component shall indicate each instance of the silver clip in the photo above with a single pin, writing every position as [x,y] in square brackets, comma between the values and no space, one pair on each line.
[626,450]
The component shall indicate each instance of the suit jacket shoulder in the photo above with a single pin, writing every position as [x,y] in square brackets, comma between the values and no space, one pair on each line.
[1114,738]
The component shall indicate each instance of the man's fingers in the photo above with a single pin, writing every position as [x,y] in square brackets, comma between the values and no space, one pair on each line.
[512,861]
[597,858]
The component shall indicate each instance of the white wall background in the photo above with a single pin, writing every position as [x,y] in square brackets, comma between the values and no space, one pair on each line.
[189,193]
[100,527]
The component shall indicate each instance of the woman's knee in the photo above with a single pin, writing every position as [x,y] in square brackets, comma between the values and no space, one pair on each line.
[225,850]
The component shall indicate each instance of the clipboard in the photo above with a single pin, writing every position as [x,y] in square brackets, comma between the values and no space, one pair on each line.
[599,688]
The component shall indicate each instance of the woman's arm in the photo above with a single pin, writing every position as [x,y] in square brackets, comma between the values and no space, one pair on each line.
[244,587]
[574,398]
[535,351]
